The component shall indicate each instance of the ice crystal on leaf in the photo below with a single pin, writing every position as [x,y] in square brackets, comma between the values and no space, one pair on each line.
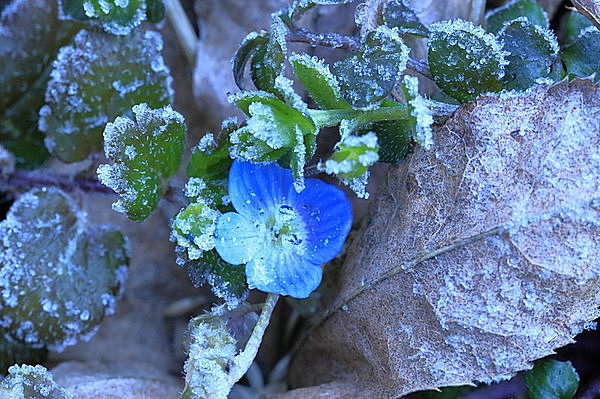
[59,275]
[282,236]
[31,382]
[117,17]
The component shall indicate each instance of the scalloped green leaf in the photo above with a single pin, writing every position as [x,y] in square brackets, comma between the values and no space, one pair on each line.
[95,80]
[531,52]
[59,275]
[146,152]
[31,382]
[268,60]
[464,60]
[551,379]
[30,36]
[116,17]
[321,84]
[399,14]
[209,160]
[574,24]
[581,57]
[369,75]
[495,19]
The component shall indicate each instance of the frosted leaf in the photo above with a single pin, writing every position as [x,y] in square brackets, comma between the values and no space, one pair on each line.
[209,159]
[531,51]
[194,229]
[321,84]
[268,60]
[31,382]
[464,60]
[274,131]
[30,36]
[480,255]
[118,17]
[210,192]
[400,14]
[146,153]
[95,80]
[351,160]
[551,379]
[421,116]
[56,268]
[590,9]
[221,352]
[581,57]
[495,19]
[574,25]
[369,75]
[227,281]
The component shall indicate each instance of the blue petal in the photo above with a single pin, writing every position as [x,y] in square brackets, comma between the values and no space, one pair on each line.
[327,215]
[255,189]
[284,274]
[237,238]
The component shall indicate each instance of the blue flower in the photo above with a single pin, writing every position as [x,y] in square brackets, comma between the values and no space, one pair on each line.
[282,236]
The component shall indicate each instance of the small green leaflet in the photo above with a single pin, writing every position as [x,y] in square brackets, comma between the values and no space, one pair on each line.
[95,80]
[399,14]
[581,57]
[209,160]
[146,152]
[533,12]
[268,60]
[551,379]
[464,60]
[369,75]
[31,382]
[531,50]
[321,84]
[59,274]
[574,25]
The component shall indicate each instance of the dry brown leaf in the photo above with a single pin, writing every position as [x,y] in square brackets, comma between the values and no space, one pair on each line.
[479,257]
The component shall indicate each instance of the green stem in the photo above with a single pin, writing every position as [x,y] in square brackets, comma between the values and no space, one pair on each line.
[332,117]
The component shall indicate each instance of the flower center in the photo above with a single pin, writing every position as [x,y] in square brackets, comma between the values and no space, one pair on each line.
[286,229]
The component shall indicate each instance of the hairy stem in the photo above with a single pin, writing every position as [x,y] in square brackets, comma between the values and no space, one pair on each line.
[335,40]
[332,117]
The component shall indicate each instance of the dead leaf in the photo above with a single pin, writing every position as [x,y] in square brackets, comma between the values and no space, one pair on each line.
[479,257]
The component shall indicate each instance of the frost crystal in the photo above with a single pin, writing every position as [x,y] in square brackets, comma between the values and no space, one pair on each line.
[31,382]
[56,270]
[283,237]
[118,17]
[420,111]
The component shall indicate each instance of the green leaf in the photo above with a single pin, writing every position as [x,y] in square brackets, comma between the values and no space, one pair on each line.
[464,60]
[318,80]
[249,45]
[581,57]
[575,23]
[59,275]
[275,131]
[31,382]
[194,229]
[551,379]
[369,75]
[155,10]
[399,14]
[116,17]
[95,80]
[498,17]
[268,60]
[353,156]
[146,152]
[209,160]
[531,50]
[30,36]
[227,281]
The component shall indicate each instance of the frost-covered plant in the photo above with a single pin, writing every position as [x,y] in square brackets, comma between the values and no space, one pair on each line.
[81,76]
